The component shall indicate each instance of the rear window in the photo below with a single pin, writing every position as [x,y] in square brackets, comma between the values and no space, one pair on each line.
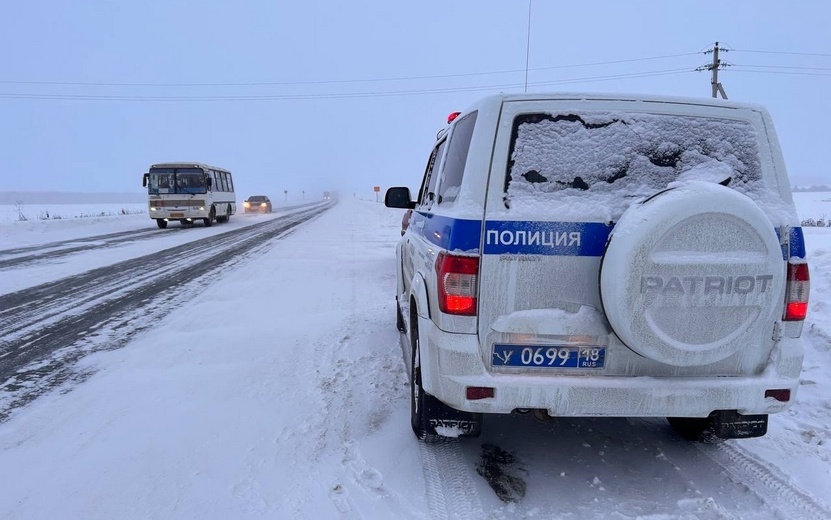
[256,198]
[454,163]
[625,155]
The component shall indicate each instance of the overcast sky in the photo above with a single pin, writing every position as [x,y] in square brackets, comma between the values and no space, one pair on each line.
[325,95]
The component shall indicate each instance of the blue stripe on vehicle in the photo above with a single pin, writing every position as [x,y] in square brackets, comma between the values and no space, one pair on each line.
[452,234]
[797,244]
[535,237]
[546,238]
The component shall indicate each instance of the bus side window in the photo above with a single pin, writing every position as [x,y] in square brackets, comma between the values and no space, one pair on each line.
[230,183]
[224,184]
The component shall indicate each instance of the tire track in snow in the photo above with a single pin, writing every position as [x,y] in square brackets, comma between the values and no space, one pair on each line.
[774,490]
[451,493]
[12,258]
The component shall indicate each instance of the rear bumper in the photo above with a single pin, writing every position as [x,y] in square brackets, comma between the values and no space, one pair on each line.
[455,363]
[178,214]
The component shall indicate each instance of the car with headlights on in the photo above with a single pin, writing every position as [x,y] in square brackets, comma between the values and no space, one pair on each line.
[257,204]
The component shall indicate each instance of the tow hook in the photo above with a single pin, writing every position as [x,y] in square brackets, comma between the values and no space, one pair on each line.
[542,415]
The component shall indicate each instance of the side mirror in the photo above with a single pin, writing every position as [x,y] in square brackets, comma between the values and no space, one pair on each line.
[144,180]
[399,197]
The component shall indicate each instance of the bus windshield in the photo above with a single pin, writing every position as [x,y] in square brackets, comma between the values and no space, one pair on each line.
[177,180]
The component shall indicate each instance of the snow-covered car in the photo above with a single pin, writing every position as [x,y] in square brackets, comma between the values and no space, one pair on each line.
[257,204]
[602,255]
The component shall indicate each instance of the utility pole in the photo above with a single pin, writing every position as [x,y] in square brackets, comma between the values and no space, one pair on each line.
[714,67]
[527,45]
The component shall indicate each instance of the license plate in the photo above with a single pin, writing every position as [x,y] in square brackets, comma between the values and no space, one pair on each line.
[174,215]
[548,356]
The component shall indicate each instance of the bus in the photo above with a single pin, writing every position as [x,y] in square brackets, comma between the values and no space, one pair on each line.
[189,192]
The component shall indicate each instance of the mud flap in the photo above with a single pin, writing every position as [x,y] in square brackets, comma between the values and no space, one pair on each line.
[729,424]
[445,421]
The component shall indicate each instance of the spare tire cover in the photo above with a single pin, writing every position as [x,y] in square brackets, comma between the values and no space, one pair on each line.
[689,276]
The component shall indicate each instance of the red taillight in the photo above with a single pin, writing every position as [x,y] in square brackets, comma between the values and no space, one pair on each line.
[458,283]
[474,393]
[782,395]
[796,292]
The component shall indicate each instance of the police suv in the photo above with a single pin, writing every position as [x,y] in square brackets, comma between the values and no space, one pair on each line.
[602,255]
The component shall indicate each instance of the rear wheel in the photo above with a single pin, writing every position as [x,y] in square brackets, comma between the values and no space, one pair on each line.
[161,223]
[399,319]
[418,399]
[228,214]
[426,411]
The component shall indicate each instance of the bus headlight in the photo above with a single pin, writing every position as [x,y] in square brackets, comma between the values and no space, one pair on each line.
[201,208]
[153,208]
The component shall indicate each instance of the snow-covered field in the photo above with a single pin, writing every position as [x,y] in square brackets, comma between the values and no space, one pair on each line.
[281,393]
[34,212]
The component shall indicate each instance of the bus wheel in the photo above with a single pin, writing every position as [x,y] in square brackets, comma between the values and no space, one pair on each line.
[161,223]
[228,215]
[211,216]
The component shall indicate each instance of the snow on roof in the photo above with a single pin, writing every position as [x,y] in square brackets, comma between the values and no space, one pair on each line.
[624,97]
[185,164]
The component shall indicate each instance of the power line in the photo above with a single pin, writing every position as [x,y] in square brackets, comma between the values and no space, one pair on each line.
[778,66]
[342,95]
[785,53]
[620,61]
[781,72]
[617,76]
[329,82]
[770,69]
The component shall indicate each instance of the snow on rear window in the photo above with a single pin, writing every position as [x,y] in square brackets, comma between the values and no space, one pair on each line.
[606,159]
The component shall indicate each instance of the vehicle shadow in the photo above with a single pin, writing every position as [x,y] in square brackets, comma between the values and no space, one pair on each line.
[603,468]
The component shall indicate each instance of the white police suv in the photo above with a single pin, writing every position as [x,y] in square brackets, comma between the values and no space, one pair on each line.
[603,255]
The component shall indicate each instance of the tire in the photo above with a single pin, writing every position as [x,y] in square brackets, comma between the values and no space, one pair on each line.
[399,319]
[424,408]
[161,223]
[699,429]
[419,417]
[692,275]
[228,214]
[211,217]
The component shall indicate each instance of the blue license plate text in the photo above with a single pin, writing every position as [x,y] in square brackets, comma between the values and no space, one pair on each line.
[548,356]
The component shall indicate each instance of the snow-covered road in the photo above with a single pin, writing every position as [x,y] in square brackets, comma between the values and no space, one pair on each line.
[277,389]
